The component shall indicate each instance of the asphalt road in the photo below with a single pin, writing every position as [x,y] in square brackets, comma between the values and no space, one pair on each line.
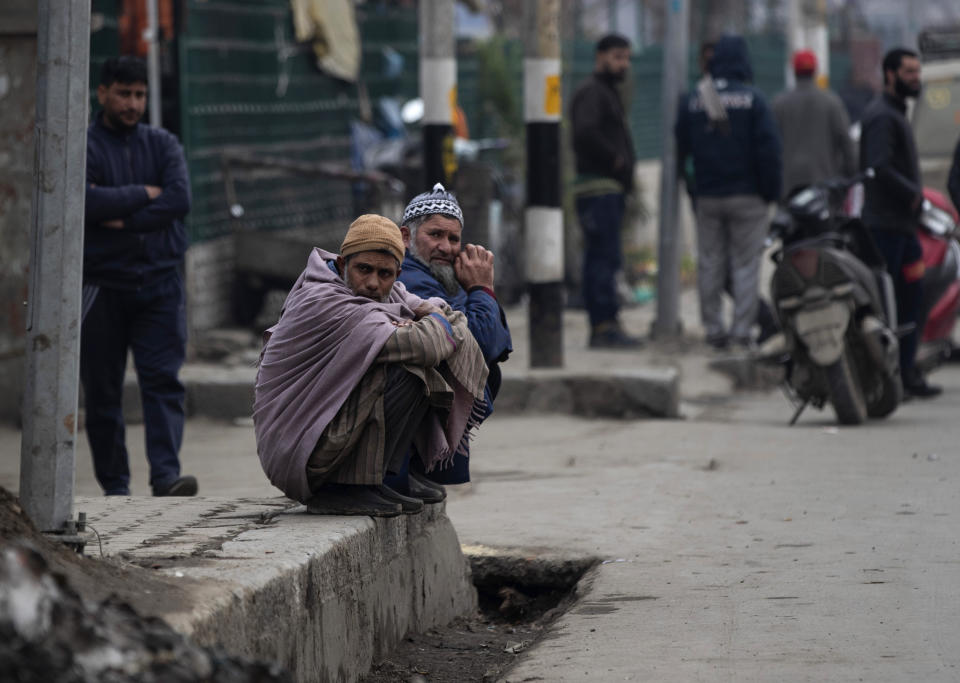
[735,547]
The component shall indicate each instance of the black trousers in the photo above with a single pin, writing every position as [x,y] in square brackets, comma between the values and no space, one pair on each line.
[904,258]
[404,408]
[152,323]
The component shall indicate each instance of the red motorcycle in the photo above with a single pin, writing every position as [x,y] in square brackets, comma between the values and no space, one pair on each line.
[941,281]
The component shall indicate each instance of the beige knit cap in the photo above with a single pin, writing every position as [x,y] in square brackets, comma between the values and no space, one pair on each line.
[371,232]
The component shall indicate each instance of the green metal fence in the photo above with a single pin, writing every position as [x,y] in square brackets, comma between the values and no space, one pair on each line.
[247,86]
[104,41]
[768,54]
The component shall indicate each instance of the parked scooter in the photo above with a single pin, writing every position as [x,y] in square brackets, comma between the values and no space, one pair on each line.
[836,306]
[941,281]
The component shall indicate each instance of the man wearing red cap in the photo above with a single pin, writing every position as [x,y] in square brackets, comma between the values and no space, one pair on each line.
[814,129]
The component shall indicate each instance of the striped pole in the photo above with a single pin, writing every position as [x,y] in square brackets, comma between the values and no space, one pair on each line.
[438,89]
[543,218]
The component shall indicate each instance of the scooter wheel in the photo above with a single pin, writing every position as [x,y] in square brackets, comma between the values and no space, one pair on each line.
[845,393]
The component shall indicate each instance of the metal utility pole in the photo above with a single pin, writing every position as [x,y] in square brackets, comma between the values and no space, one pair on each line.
[47,452]
[543,218]
[673,83]
[794,40]
[438,89]
[152,35]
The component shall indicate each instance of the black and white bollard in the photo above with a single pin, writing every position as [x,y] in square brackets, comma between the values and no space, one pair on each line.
[438,89]
[543,218]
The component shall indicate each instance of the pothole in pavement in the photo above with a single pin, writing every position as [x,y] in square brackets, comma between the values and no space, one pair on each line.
[518,597]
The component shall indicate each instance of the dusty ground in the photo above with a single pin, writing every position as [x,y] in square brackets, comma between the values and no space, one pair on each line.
[70,618]
[149,593]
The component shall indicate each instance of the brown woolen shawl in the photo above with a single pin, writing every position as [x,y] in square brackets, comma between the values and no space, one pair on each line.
[325,341]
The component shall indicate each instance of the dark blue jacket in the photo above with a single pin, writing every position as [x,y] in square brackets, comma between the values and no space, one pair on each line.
[486,322]
[485,318]
[153,240]
[746,158]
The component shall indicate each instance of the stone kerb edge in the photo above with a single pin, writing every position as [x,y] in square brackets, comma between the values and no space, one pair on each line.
[330,615]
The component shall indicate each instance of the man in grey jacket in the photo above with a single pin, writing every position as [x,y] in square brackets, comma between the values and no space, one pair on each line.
[814,129]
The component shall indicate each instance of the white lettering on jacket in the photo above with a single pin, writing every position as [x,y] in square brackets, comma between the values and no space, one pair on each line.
[729,100]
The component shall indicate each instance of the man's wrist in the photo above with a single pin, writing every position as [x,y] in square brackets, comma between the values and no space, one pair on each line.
[484,288]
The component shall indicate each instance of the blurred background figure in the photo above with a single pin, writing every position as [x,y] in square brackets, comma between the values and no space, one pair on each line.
[727,128]
[604,154]
[814,129]
[892,201]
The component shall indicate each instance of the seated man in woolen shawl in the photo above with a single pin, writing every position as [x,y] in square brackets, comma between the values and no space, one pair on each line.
[437,264]
[357,370]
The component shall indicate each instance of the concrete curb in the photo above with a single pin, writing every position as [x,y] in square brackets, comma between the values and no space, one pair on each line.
[638,392]
[324,597]
[227,393]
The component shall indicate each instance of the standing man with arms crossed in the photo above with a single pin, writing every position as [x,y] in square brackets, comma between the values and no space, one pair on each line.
[604,158]
[892,200]
[814,129]
[133,294]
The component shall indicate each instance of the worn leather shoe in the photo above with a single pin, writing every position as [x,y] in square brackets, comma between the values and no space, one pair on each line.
[613,337]
[408,504]
[921,389]
[344,499]
[184,486]
[428,491]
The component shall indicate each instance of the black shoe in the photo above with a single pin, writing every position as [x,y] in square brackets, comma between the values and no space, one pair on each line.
[409,505]
[428,491]
[919,388]
[718,342]
[613,337]
[344,499]
[184,486]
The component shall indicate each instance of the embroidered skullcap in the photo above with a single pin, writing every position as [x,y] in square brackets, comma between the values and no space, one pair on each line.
[371,232]
[438,200]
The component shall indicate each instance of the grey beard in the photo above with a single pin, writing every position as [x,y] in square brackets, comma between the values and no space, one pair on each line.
[446,276]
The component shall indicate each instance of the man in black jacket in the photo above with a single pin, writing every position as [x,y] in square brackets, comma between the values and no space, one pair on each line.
[892,201]
[133,296]
[604,159]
